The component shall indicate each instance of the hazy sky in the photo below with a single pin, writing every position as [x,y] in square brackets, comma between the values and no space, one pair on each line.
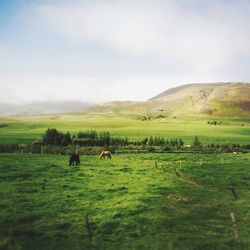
[102,50]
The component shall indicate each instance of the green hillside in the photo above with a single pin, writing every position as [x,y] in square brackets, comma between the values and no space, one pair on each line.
[191,100]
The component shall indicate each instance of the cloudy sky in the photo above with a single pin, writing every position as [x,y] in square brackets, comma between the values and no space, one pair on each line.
[102,50]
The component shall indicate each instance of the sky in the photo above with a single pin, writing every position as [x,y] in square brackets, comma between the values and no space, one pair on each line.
[104,50]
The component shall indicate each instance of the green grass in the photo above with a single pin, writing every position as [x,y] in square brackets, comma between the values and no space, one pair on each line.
[129,203]
[126,202]
[26,130]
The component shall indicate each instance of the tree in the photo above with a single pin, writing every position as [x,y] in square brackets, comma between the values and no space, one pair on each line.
[197,142]
[105,138]
[89,134]
[54,137]
[51,136]
[181,143]
[151,141]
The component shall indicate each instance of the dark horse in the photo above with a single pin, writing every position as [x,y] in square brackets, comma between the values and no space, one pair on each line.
[74,159]
[106,154]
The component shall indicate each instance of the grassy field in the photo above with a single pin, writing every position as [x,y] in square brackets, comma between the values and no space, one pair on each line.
[26,130]
[129,202]
[134,201]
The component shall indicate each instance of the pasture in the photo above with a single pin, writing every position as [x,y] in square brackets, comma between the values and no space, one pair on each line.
[133,201]
[27,129]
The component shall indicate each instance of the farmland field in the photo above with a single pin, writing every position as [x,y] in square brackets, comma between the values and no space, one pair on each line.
[133,201]
[26,130]
[120,128]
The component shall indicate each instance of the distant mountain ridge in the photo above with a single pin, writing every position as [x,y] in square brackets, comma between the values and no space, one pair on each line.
[231,99]
[42,108]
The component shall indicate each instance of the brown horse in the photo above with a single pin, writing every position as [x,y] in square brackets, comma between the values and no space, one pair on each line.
[105,154]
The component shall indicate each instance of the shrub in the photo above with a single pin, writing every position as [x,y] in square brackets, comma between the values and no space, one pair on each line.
[54,137]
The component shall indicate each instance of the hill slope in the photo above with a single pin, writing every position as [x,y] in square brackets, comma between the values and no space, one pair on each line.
[211,99]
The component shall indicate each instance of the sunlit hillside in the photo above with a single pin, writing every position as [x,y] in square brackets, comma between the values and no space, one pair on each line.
[214,99]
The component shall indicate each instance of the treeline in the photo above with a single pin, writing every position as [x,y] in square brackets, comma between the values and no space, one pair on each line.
[231,147]
[54,137]
[92,142]
[92,138]
[104,138]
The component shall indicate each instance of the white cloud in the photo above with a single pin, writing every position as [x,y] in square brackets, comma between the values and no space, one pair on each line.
[23,87]
[39,87]
[101,50]
[206,41]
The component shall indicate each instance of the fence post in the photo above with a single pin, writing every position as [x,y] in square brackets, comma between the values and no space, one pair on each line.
[234,193]
[88,227]
[156,165]
[176,172]
[234,225]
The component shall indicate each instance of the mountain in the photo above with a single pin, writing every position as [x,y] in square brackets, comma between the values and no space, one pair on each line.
[42,108]
[210,99]
[200,99]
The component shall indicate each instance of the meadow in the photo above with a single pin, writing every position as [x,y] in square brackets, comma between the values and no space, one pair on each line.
[133,201]
[27,129]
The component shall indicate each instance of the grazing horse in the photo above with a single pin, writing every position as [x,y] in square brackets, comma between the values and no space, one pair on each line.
[74,159]
[105,154]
